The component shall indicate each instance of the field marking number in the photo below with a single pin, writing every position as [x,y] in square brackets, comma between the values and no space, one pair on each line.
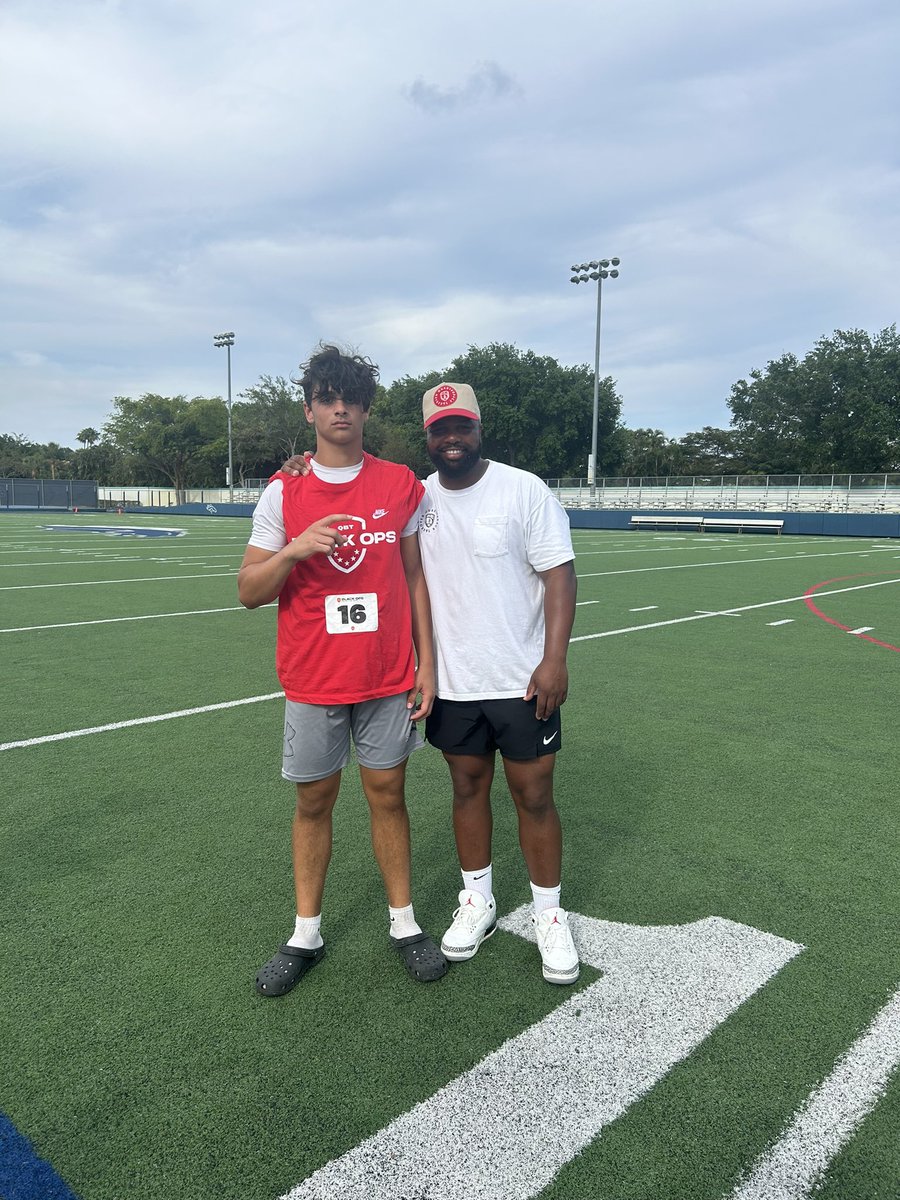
[664,990]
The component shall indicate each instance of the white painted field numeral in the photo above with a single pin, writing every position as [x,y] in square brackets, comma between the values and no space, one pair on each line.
[664,990]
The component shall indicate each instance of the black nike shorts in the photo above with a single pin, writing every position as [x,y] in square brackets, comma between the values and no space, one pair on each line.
[483,726]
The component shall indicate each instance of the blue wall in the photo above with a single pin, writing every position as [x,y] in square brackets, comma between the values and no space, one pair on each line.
[830,524]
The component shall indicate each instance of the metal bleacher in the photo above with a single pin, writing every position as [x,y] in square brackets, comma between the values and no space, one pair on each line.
[799,493]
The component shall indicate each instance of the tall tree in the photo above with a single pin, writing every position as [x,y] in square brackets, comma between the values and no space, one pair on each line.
[649,452]
[87,437]
[710,451]
[57,460]
[836,411]
[269,426]
[16,455]
[103,462]
[169,437]
[536,414]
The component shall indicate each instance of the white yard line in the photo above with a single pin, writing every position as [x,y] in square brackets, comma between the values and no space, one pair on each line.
[188,712]
[663,991]
[729,562]
[74,560]
[786,551]
[798,1161]
[170,716]
[194,612]
[728,612]
[27,587]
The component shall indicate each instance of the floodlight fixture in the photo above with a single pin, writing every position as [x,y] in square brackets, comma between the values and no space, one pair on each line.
[227,340]
[599,270]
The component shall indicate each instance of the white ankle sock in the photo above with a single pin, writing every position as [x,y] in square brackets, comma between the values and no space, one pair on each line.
[544,898]
[403,922]
[481,882]
[306,933]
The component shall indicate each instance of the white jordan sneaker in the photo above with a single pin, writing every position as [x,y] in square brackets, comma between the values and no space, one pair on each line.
[559,958]
[473,921]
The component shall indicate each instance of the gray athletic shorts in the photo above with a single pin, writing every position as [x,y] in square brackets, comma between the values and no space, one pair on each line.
[317,737]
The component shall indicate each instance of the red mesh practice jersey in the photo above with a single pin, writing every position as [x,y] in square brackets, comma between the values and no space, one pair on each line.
[344,623]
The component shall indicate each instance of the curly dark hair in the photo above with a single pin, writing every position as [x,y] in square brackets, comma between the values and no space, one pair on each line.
[330,371]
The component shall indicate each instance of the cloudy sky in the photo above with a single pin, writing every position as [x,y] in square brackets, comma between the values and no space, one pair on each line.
[412,179]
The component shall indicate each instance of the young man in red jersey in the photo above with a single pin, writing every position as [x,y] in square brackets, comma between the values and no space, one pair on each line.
[339,549]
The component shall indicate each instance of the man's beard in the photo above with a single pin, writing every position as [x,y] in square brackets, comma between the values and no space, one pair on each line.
[454,468]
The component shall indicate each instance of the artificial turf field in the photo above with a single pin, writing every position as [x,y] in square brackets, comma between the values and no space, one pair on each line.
[730,752]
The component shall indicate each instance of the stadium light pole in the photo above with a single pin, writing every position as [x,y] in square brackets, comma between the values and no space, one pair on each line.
[584,273]
[227,340]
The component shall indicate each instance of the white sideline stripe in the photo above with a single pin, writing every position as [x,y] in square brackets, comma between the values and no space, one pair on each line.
[725,562]
[799,1159]
[728,612]
[170,716]
[714,541]
[72,559]
[664,990]
[862,629]
[786,621]
[27,587]
[582,603]
[646,608]
[189,712]
[194,612]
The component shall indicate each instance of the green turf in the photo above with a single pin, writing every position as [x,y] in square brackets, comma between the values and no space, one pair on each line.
[716,766]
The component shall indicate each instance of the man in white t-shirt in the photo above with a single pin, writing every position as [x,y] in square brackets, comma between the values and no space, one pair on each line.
[498,558]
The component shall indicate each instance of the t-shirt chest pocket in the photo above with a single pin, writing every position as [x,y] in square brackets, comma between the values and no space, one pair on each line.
[491,537]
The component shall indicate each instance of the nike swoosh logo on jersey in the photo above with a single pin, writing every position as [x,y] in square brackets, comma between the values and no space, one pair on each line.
[548,740]
[378,513]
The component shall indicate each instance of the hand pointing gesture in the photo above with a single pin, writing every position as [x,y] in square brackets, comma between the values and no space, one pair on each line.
[319,538]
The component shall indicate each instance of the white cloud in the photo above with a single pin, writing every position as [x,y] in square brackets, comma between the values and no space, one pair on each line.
[416,180]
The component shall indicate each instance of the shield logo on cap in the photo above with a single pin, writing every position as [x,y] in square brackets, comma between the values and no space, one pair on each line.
[348,557]
[444,395]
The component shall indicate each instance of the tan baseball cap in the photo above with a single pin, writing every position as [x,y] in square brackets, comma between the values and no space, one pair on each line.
[449,399]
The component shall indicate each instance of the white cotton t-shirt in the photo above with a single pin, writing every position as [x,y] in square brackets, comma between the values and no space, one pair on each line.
[482,548]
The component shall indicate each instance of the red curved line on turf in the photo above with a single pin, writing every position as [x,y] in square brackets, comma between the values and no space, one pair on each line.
[807,600]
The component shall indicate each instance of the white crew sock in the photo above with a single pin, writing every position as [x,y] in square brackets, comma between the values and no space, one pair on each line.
[403,922]
[306,933]
[544,898]
[481,882]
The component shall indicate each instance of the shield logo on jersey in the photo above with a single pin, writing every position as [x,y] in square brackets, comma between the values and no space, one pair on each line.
[348,557]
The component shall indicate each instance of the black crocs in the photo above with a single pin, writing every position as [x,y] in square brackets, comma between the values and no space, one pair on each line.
[286,969]
[421,957]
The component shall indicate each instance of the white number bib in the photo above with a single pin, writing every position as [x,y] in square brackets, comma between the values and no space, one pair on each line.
[352,614]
